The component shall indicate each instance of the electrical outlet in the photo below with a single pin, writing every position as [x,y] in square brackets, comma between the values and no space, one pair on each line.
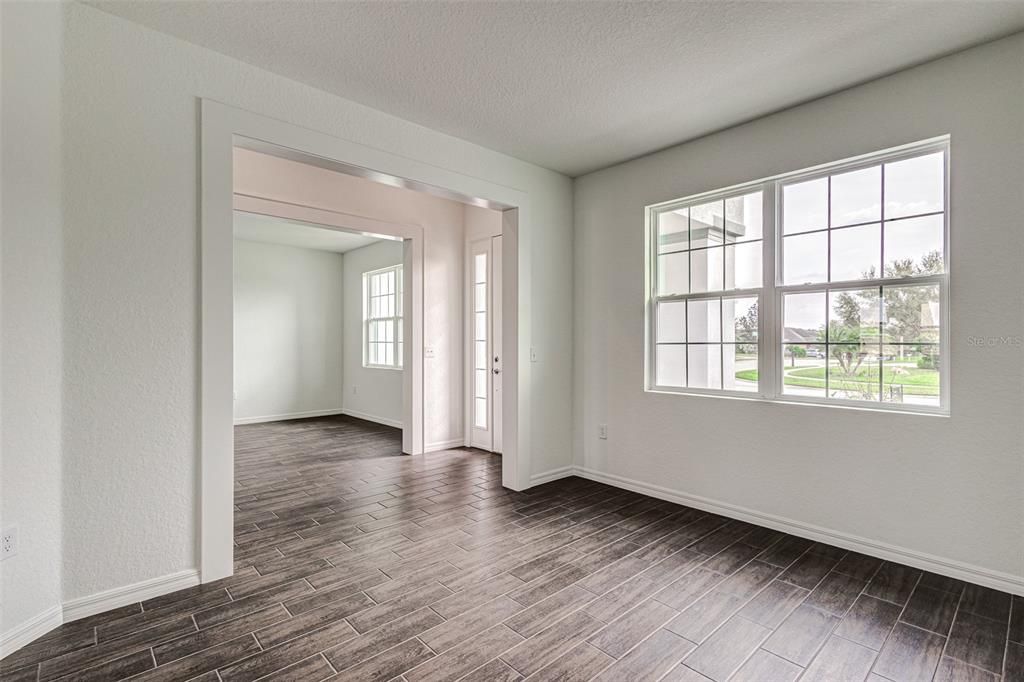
[429,353]
[8,542]
[533,355]
[602,431]
[234,395]
[355,390]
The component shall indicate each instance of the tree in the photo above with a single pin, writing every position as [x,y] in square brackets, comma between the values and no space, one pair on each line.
[903,315]
[794,353]
[746,330]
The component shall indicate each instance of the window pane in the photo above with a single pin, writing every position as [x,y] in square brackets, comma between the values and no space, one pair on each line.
[856,253]
[743,266]
[854,316]
[374,285]
[743,217]
[911,314]
[803,317]
[670,365]
[480,384]
[674,273]
[739,317]
[480,413]
[389,330]
[915,186]
[707,270]
[389,354]
[803,369]
[914,247]
[673,231]
[911,374]
[805,258]
[703,320]
[857,197]
[704,365]
[481,327]
[671,322]
[399,359]
[480,267]
[707,223]
[805,206]
[481,355]
[480,297]
[854,371]
[739,361]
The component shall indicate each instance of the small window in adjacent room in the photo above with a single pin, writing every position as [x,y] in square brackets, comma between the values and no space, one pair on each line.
[827,286]
[382,318]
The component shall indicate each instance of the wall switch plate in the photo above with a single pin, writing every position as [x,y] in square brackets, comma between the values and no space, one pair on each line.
[602,431]
[355,390]
[8,542]
[429,353]
[234,394]
[533,355]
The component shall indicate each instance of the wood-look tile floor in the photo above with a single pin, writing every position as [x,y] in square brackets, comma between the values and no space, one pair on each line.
[356,563]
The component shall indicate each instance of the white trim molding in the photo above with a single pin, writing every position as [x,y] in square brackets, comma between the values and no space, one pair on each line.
[284,417]
[397,423]
[129,594]
[31,630]
[444,445]
[552,475]
[82,607]
[952,568]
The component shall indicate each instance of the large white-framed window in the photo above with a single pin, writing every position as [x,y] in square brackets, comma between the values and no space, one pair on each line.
[827,285]
[382,318]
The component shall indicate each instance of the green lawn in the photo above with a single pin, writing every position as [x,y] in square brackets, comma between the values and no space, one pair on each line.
[913,380]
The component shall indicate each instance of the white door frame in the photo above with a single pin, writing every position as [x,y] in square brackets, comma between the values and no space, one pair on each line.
[222,127]
[489,437]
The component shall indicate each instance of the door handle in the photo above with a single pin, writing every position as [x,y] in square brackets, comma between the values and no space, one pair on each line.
[496,371]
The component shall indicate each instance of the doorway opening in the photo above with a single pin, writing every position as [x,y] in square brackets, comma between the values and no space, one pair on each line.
[228,132]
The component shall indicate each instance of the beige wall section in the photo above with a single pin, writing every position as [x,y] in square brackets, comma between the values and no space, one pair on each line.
[30,312]
[371,392]
[270,177]
[948,487]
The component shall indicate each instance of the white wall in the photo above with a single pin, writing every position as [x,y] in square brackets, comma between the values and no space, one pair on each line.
[948,487]
[132,289]
[442,220]
[370,393]
[30,311]
[288,331]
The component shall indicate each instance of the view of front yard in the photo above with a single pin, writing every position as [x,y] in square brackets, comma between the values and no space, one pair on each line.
[906,376]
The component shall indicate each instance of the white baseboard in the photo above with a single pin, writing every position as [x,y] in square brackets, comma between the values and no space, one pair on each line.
[444,445]
[397,423]
[30,630]
[952,568]
[73,609]
[282,417]
[128,594]
[553,475]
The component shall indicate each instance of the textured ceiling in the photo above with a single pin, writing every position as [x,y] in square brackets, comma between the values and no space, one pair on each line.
[252,227]
[576,86]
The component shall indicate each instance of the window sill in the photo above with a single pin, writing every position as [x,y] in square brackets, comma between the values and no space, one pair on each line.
[883,408]
[394,369]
